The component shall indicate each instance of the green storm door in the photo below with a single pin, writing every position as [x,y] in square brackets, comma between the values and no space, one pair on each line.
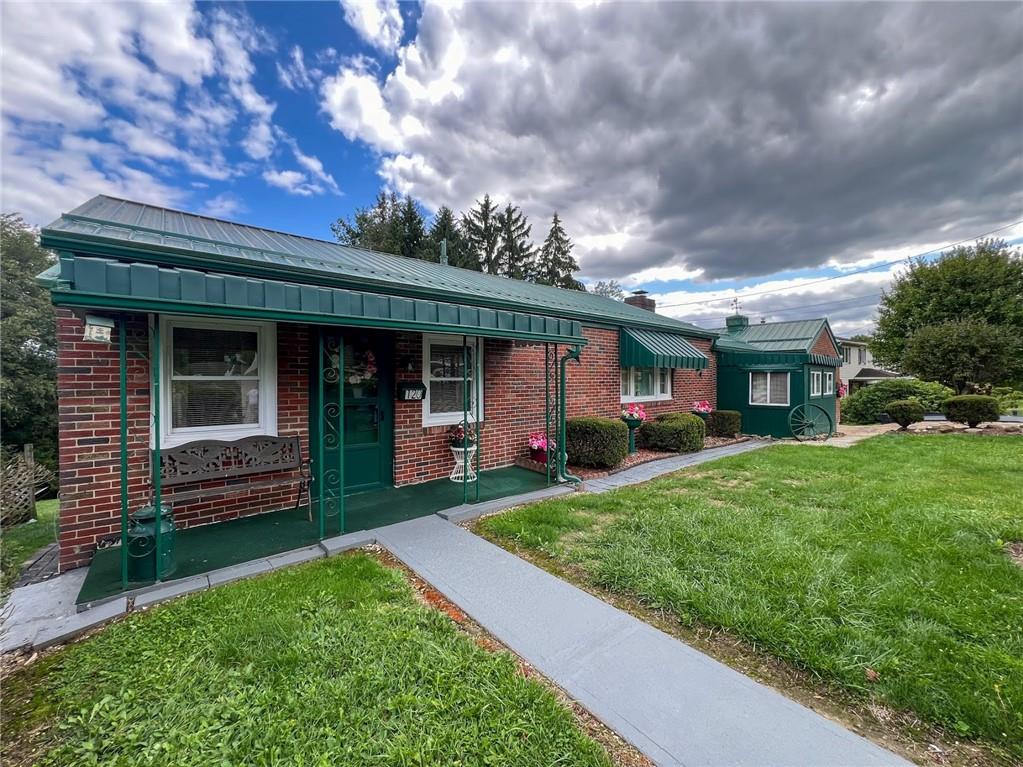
[368,408]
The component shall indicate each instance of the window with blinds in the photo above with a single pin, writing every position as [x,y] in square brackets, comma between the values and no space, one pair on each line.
[445,378]
[218,381]
[768,388]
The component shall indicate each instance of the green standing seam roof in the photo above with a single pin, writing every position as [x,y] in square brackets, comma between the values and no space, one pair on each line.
[114,228]
[651,348]
[788,336]
[105,283]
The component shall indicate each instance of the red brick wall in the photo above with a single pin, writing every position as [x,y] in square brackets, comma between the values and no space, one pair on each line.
[89,449]
[824,345]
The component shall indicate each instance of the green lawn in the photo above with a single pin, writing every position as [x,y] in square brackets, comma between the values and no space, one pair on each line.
[885,556]
[332,663]
[20,542]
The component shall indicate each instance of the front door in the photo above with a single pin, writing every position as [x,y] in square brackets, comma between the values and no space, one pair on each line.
[368,406]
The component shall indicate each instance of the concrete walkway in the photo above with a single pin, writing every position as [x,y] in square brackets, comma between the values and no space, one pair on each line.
[676,705]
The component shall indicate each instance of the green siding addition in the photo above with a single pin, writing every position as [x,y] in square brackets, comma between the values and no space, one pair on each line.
[647,348]
[104,283]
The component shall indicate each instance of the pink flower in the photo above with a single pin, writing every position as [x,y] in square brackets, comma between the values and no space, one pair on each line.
[702,406]
[635,411]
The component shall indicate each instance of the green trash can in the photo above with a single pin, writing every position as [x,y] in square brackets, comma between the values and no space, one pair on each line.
[142,544]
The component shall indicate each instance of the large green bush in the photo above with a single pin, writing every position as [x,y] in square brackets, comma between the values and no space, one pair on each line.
[971,409]
[678,432]
[905,412]
[1009,399]
[867,404]
[600,443]
[724,423]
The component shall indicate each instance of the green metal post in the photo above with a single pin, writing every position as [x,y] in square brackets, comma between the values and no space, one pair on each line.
[465,421]
[341,435]
[122,348]
[320,468]
[563,475]
[157,474]
[476,375]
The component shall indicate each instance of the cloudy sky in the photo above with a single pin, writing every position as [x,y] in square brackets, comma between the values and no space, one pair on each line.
[785,153]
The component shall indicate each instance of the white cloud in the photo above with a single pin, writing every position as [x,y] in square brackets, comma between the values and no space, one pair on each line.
[294,75]
[378,22]
[355,106]
[292,181]
[225,205]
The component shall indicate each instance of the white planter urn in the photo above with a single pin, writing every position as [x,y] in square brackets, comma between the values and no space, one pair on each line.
[464,468]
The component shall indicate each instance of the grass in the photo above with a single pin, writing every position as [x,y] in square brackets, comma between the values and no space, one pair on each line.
[329,663]
[886,558]
[20,542]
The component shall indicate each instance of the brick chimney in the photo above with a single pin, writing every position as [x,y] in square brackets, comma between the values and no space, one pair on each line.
[642,300]
[736,324]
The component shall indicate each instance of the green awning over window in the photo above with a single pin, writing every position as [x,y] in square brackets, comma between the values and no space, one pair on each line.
[654,349]
[101,283]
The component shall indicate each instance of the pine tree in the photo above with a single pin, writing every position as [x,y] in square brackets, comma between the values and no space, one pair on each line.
[413,230]
[377,228]
[556,263]
[480,228]
[515,252]
[446,227]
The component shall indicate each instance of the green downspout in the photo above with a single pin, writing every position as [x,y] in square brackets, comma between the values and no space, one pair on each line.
[477,374]
[563,475]
[465,421]
[341,434]
[122,348]
[156,468]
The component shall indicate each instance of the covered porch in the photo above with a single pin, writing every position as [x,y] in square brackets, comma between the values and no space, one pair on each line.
[340,452]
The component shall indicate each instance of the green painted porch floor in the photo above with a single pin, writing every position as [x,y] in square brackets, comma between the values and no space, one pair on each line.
[210,547]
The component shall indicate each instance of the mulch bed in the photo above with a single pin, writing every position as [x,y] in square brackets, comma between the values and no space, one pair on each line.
[645,456]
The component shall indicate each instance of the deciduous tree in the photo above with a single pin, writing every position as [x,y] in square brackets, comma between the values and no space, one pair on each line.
[964,352]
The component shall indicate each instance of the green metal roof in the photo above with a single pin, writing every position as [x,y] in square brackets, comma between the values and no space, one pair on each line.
[791,336]
[110,227]
[104,283]
[653,348]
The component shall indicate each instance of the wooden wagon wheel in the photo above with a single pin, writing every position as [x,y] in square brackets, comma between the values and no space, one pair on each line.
[810,422]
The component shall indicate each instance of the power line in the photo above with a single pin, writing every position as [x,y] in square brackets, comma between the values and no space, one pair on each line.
[846,274]
[874,296]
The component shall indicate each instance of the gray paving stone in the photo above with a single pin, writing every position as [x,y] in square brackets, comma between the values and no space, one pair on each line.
[237,572]
[347,542]
[296,556]
[676,705]
[170,589]
[72,626]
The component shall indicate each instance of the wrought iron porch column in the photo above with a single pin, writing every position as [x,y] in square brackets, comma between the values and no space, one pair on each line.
[122,354]
[563,475]
[156,461]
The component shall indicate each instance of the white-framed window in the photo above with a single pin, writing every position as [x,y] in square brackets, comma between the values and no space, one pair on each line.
[645,384]
[829,383]
[218,379]
[768,388]
[815,383]
[861,355]
[847,354]
[443,365]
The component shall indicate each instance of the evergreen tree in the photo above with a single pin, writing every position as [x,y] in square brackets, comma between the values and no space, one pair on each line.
[379,228]
[480,228]
[556,264]
[446,227]
[515,251]
[28,343]
[413,230]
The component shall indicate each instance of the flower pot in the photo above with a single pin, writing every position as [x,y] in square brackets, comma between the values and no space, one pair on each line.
[700,413]
[538,455]
[633,424]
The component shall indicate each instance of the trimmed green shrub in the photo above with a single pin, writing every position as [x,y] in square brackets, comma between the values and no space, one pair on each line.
[905,412]
[724,423]
[678,432]
[867,404]
[971,409]
[1009,399]
[600,443]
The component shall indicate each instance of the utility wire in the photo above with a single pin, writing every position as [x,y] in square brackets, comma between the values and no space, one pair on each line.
[875,296]
[736,294]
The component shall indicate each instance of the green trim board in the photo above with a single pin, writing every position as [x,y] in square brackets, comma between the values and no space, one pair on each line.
[110,227]
[105,283]
[649,348]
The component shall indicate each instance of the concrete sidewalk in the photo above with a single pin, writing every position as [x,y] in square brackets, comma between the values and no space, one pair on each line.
[676,705]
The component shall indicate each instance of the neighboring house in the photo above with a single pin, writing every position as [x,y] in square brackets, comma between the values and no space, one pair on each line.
[858,366]
[779,375]
[248,351]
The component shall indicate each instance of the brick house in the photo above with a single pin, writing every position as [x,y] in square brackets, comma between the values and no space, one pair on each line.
[212,366]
